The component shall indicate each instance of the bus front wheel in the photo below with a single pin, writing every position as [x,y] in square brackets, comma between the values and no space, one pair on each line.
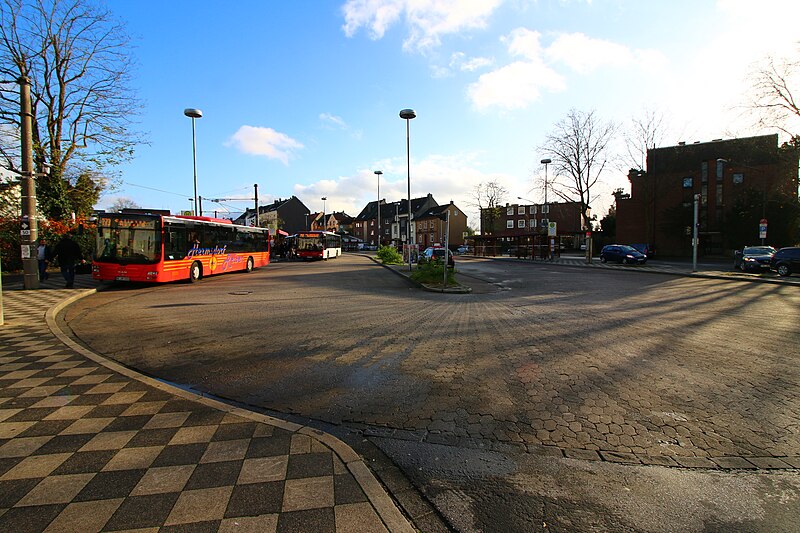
[249,266]
[195,272]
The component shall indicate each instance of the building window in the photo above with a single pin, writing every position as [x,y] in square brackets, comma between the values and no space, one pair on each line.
[433,237]
[688,183]
[704,171]
[720,169]
[371,233]
[719,196]
[738,178]
[545,222]
[533,210]
[521,223]
[509,210]
[521,210]
[545,208]
[704,194]
[509,224]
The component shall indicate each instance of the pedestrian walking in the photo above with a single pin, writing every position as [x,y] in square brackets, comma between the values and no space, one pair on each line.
[68,254]
[43,254]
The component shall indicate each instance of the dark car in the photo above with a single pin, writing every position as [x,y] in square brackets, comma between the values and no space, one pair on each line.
[622,253]
[646,249]
[753,258]
[438,254]
[786,261]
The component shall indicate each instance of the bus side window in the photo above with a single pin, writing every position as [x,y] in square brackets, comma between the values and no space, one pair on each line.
[176,246]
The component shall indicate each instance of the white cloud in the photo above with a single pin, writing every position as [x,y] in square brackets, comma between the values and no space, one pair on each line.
[267,142]
[427,21]
[446,177]
[585,54]
[514,86]
[329,119]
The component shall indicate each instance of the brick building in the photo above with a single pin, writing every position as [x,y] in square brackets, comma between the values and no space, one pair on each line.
[430,226]
[727,175]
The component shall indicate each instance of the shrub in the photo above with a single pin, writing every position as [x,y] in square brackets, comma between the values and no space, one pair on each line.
[430,273]
[389,255]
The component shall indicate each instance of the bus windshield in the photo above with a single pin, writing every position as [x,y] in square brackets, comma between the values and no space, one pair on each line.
[127,239]
[309,242]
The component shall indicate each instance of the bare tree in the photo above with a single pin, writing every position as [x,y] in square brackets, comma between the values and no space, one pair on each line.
[123,203]
[76,58]
[771,96]
[644,133]
[487,197]
[578,147]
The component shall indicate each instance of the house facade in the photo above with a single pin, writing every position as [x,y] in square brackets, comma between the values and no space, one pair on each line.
[391,227]
[289,215]
[737,182]
[517,220]
[430,226]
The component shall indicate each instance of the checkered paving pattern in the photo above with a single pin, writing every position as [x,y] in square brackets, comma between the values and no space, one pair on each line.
[83,448]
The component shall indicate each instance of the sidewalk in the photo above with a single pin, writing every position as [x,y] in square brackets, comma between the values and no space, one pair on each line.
[89,445]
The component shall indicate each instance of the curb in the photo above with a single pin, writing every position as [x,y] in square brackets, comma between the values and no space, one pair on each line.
[388,512]
[455,290]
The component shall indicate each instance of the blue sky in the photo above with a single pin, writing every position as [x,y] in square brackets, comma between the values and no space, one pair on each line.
[302,97]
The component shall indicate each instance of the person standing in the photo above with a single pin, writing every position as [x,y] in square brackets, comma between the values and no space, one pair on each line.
[43,256]
[68,253]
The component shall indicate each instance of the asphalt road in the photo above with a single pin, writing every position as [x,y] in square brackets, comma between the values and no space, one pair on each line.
[471,394]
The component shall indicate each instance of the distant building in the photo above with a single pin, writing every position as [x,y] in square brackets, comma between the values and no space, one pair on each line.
[391,228]
[430,226]
[514,220]
[738,181]
[290,215]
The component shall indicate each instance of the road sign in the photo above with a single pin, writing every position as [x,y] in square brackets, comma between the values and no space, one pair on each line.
[24,232]
[552,229]
[762,229]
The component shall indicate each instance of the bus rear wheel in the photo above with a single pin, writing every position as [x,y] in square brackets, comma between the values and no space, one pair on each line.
[195,272]
[249,267]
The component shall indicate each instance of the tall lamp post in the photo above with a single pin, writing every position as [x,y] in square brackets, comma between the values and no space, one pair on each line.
[379,173]
[407,115]
[545,162]
[324,226]
[194,114]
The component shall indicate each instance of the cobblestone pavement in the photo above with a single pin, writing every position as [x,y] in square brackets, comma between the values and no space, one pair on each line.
[96,447]
[583,363]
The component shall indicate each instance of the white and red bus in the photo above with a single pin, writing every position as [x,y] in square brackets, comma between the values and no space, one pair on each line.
[161,248]
[318,245]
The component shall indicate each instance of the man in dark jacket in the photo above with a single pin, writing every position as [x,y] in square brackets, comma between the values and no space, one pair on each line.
[68,253]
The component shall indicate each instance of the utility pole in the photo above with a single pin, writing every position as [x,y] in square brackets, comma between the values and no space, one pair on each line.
[255,188]
[28,226]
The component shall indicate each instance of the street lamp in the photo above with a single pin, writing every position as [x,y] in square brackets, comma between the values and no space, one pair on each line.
[407,115]
[324,226]
[545,162]
[379,173]
[194,114]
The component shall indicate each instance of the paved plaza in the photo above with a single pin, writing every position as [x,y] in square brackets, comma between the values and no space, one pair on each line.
[596,364]
[87,445]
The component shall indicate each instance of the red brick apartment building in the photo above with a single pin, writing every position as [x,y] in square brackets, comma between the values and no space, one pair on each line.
[739,181]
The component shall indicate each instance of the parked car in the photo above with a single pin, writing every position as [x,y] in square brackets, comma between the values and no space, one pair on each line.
[646,249]
[786,261]
[623,254]
[753,258]
[434,252]
[463,249]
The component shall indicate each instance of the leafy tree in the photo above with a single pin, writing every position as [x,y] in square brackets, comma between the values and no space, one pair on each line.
[579,149]
[76,58]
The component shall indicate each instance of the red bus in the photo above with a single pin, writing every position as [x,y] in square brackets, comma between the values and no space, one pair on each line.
[160,248]
[318,245]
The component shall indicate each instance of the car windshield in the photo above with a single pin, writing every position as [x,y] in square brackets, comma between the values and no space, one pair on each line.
[759,250]
[628,249]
